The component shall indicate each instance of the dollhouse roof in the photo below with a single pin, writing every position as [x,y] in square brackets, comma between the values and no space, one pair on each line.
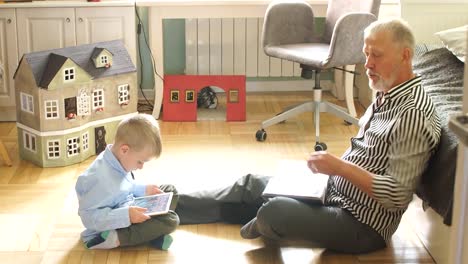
[46,64]
[97,52]
[54,63]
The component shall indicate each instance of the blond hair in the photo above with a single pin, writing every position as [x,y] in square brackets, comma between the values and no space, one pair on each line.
[400,30]
[140,131]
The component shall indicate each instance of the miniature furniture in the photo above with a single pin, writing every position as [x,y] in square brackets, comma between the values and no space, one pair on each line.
[288,33]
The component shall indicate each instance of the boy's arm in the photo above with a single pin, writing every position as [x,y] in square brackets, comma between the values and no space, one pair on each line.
[152,189]
[139,189]
[105,218]
[98,208]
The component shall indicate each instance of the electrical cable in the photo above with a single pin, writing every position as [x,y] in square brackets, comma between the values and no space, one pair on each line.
[139,30]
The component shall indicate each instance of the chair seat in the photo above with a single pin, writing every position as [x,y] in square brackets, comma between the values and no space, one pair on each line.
[310,54]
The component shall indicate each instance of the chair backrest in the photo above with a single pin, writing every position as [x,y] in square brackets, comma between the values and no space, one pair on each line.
[337,8]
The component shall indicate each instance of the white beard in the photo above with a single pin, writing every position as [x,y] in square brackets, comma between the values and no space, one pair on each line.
[383,85]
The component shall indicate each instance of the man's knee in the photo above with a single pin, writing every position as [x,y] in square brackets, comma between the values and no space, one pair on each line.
[270,218]
[274,208]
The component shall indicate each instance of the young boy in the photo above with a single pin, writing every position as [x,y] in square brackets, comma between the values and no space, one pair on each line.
[106,191]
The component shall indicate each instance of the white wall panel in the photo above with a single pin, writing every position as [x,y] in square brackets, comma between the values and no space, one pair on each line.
[263,59]
[215,46]
[251,47]
[297,69]
[204,46]
[191,46]
[239,46]
[275,67]
[287,68]
[227,47]
[231,46]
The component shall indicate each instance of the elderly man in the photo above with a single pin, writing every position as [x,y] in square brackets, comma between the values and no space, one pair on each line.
[371,185]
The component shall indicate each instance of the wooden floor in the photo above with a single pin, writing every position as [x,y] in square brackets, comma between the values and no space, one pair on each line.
[38,206]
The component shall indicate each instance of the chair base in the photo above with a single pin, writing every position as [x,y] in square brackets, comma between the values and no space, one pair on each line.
[310,106]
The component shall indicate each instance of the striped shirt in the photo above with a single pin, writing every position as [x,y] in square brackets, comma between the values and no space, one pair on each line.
[395,142]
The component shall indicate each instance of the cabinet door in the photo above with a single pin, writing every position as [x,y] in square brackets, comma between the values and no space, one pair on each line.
[95,24]
[45,28]
[8,64]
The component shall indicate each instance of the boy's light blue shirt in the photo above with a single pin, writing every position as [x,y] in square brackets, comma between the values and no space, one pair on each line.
[105,191]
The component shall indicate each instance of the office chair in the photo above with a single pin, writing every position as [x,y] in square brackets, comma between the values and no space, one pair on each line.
[289,34]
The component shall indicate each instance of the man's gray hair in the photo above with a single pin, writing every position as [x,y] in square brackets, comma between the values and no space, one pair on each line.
[401,31]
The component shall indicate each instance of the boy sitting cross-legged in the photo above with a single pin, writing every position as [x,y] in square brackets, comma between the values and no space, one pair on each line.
[106,191]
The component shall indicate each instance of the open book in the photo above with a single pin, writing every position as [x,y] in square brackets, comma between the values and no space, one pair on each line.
[294,179]
[156,204]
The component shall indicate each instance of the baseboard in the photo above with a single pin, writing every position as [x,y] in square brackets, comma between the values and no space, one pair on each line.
[266,86]
[286,86]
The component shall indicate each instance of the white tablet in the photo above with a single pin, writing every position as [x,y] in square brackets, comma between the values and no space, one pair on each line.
[156,204]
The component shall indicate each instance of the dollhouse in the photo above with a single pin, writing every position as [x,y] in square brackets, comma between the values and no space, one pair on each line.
[70,100]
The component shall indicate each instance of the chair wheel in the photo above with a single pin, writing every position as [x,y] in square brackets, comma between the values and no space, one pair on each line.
[261,135]
[319,146]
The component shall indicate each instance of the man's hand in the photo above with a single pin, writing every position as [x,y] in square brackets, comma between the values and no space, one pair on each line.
[323,162]
[137,214]
[152,189]
[326,163]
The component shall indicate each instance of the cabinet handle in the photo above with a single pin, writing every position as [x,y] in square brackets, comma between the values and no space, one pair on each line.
[80,19]
[68,20]
[9,21]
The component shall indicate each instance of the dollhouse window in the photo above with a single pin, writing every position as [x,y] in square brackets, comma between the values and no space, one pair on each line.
[70,108]
[51,109]
[27,103]
[83,104]
[124,95]
[85,141]
[104,59]
[98,99]
[29,141]
[72,146]
[53,149]
[69,74]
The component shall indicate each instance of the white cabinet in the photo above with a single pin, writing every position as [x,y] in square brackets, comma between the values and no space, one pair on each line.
[50,28]
[8,63]
[29,29]
[45,28]
[102,24]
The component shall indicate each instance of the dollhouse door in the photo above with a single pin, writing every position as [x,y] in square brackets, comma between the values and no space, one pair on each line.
[100,139]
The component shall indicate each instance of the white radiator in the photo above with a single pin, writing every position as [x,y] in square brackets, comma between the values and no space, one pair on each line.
[231,46]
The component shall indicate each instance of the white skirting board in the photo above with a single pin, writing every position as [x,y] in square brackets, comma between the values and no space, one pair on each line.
[270,86]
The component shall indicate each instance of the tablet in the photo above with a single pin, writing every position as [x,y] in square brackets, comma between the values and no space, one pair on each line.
[295,180]
[157,204]
[311,188]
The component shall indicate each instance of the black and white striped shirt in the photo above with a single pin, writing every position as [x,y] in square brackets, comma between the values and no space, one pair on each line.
[395,142]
